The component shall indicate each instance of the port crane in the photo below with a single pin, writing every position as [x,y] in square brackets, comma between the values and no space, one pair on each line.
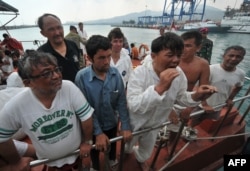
[180,10]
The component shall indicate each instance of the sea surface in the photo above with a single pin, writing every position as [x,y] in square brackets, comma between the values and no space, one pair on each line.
[145,36]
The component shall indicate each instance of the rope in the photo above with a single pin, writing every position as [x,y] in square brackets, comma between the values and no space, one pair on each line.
[177,154]
[224,136]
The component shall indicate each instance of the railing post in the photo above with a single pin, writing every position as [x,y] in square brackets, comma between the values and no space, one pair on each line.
[222,121]
[121,155]
[176,140]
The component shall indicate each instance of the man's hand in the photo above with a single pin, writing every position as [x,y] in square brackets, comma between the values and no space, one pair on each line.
[203,92]
[85,155]
[127,135]
[173,117]
[208,109]
[166,78]
[102,142]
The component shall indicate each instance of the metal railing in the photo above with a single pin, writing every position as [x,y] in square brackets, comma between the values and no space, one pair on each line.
[119,138]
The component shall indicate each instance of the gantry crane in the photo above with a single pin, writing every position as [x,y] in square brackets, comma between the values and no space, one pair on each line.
[180,9]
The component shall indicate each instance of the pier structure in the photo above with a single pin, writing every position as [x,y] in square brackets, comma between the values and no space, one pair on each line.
[179,9]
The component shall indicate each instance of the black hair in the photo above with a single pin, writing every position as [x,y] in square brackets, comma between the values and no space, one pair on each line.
[40,19]
[236,47]
[95,43]
[115,33]
[5,35]
[193,34]
[169,41]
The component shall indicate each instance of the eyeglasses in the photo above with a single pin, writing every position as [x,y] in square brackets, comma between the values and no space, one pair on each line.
[48,74]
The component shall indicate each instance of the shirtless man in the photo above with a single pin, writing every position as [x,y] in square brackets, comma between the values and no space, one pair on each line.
[195,68]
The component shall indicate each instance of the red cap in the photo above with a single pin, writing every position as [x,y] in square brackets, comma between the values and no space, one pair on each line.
[204,29]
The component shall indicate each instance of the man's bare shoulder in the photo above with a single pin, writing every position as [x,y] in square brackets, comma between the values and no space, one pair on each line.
[200,61]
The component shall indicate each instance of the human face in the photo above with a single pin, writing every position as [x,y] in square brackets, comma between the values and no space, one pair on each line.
[117,44]
[165,59]
[190,48]
[46,80]
[53,30]
[101,61]
[231,59]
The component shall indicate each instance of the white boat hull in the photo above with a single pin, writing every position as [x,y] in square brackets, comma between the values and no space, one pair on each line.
[240,29]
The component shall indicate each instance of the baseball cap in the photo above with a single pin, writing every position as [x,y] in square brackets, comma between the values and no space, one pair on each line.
[204,29]
[72,27]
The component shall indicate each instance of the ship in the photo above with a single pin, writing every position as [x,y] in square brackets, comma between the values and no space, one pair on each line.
[238,19]
[212,26]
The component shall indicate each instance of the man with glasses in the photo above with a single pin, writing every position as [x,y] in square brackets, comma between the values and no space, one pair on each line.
[66,52]
[206,46]
[56,122]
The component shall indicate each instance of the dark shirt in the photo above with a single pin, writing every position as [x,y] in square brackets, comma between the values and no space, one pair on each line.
[69,63]
[206,49]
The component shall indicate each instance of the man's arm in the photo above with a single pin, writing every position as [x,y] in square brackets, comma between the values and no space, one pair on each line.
[205,73]
[83,40]
[87,129]
[8,152]
[203,92]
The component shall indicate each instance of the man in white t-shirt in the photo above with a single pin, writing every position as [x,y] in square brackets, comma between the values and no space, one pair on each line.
[119,57]
[227,77]
[83,34]
[56,122]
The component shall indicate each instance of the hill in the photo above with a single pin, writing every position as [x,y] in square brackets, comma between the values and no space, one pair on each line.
[210,13]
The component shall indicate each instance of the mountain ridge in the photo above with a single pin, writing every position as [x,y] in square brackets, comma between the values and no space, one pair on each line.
[211,13]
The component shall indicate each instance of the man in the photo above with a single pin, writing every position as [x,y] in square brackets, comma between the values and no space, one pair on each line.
[207,46]
[151,97]
[103,87]
[119,58]
[55,120]
[83,34]
[73,36]
[66,52]
[14,86]
[227,77]
[134,52]
[11,43]
[161,31]
[6,64]
[196,69]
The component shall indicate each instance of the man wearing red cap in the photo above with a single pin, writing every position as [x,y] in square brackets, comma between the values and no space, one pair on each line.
[206,47]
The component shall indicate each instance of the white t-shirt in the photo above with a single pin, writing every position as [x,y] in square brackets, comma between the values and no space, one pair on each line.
[84,35]
[54,132]
[224,81]
[124,66]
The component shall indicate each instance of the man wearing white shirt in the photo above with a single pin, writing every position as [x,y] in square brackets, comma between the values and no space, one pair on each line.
[83,35]
[119,57]
[152,91]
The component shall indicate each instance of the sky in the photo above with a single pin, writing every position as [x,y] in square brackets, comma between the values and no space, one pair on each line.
[86,10]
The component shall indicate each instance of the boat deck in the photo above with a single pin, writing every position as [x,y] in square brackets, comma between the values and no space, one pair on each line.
[199,154]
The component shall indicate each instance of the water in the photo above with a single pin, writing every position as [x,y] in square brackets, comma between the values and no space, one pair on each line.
[139,36]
